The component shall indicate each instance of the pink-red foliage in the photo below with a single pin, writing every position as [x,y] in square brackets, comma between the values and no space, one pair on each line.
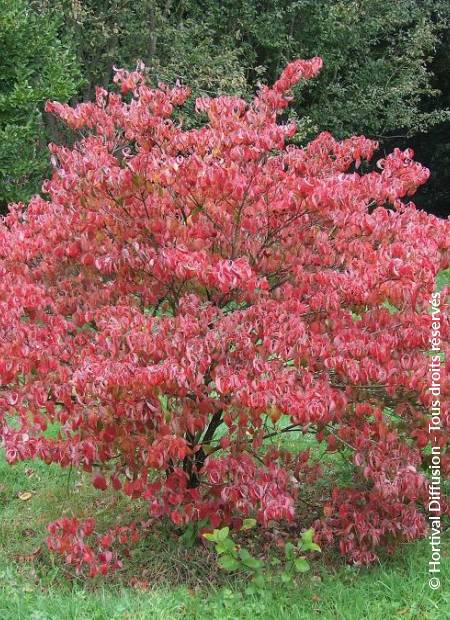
[184,296]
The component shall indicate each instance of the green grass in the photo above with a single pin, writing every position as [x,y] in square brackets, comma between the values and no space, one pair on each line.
[184,583]
[443,278]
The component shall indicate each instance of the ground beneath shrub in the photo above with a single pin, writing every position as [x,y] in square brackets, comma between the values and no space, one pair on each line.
[166,581]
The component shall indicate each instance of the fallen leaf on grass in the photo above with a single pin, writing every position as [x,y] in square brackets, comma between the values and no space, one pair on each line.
[25,496]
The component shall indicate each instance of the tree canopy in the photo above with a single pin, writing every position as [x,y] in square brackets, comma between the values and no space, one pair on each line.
[35,66]
[384,67]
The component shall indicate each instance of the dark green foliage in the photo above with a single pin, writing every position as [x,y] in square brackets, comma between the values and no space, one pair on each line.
[376,79]
[385,64]
[35,66]
[433,146]
[172,44]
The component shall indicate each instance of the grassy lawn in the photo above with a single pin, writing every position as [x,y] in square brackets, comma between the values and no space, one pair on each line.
[184,583]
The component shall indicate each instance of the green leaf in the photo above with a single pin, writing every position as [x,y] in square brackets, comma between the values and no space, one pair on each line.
[248,524]
[306,541]
[225,546]
[249,561]
[227,562]
[217,535]
[307,537]
[222,534]
[289,551]
[301,565]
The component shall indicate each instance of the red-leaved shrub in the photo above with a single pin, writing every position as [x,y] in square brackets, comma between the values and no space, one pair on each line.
[184,296]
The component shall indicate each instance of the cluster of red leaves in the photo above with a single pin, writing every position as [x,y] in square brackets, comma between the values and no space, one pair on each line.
[364,521]
[182,297]
[82,549]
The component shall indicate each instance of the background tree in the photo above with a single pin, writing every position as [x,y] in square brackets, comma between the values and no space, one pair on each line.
[433,146]
[375,77]
[385,63]
[385,69]
[172,43]
[35,66]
